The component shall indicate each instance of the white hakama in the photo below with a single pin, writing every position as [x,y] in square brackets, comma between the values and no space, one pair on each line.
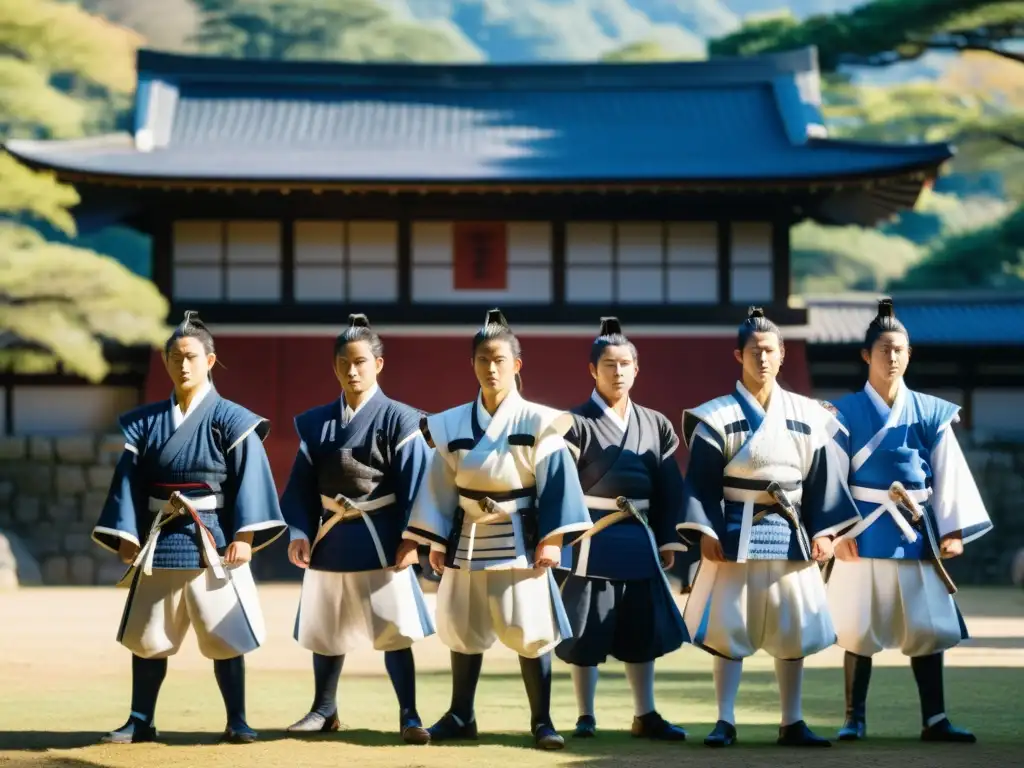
[778,606]
[519,461]
[879,604]
[512,605]
[340,612]
[884,602]
[225,613]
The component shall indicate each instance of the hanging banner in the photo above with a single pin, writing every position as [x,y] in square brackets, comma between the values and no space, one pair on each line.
[480,255]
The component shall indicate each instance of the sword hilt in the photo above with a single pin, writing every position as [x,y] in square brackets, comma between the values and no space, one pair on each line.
[899,495]
[490,506]
[627,506]
[179,504]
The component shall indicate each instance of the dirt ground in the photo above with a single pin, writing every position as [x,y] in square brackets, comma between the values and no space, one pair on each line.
[64,680]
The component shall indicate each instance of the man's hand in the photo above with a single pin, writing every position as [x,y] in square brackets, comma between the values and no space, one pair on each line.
[238,552]
[406,555]
[951,546]
[437,561]
[711,549]
[547,555]
[298,553]
[127,551]
[846,550]
[668,559]
[822,549]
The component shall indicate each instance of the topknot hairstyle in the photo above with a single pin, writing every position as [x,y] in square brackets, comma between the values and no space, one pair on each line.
[885,321]
[496,328]
[756,322]
[610,335]
[359,330]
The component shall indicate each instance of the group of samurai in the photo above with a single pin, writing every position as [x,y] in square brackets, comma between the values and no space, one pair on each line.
[551,531]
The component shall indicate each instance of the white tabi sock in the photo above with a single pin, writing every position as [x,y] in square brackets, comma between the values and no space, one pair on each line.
[641,681]
[584,679]
[727,685]
[790,675]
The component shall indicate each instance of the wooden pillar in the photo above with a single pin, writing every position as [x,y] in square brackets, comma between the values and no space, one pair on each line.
[781,264]
[725,263]
[558,264]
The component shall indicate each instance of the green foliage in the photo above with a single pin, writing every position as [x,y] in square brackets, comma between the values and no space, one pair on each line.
[884,31]
[645,50]
[990,257]
[353,30]
[61,302]
[58,302]
[834,259]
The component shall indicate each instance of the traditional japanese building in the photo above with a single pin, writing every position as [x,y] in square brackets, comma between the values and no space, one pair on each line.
[281,196]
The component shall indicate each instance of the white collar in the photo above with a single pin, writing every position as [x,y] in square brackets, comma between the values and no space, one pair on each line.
[749,396]
[347,413]
[177,417]
[619,421]
[483,418]
[879,403]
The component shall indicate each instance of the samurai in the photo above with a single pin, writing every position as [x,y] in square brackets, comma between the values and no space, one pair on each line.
[764,495]
[615,592]
[888,587]
[191,500]
[500,494]
[360,461]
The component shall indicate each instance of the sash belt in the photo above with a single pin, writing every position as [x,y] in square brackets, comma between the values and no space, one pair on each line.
[342,508]
[165,513]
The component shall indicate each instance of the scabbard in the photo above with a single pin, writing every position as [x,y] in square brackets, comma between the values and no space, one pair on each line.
[936,561]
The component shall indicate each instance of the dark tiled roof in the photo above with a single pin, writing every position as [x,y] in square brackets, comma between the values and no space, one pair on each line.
[719,120]
[950,320]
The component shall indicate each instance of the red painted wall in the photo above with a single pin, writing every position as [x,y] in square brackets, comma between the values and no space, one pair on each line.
[281,376]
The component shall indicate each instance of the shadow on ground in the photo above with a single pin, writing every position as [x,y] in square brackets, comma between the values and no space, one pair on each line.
[984,699]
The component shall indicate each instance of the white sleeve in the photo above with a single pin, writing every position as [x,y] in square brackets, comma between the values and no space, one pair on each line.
[956,502]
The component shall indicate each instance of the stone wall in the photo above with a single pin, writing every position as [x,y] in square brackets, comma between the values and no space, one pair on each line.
[998,469]
[52,490]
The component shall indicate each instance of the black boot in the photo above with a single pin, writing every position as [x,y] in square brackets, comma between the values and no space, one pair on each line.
[928,674]
[723,735]
[401,668]
[459,721]
[147,677]
[799,735]
[586,727]
[323,714]
[537,679]
[857,670]
[654,726]
[230,675]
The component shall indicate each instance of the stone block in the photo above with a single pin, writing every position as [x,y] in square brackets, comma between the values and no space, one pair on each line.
[55,570]
[77,543]
[90,506]
[99,477]
[81,570]
[62,511]
[35,478]
[70,480]
[77,449]
[110,571]
[13,448]
[40,448]
[110,449]
[28,510]
[45,539]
